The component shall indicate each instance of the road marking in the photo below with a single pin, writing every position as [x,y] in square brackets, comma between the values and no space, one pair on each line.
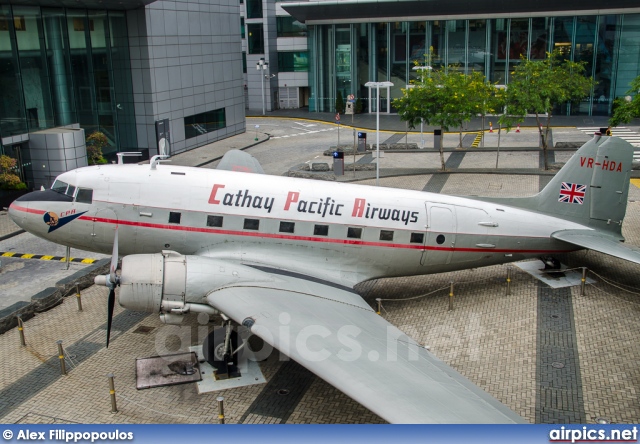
[45,257]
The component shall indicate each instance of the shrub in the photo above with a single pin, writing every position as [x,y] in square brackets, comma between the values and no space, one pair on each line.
[8,179]
[95,143]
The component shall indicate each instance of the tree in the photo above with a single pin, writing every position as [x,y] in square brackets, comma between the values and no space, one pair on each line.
[8,179]
[95,144]
[339,103]
[538,86]
[445,98]
[628,107]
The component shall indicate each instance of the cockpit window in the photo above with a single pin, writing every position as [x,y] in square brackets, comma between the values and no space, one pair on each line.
[85,195]
[60,186]
[63,188]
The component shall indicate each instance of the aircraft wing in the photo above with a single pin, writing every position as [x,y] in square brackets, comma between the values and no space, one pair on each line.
[332,331]
[599,241]
[236,160]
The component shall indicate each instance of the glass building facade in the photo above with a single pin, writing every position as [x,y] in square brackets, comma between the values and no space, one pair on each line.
[343,57]
[65,66]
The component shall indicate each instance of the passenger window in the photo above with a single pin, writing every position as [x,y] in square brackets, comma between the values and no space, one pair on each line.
[417,238]
[354,233]
[321,230]
[174,218]
[386,235]
[287,227]
[85,195]
[251,224]
[214,221]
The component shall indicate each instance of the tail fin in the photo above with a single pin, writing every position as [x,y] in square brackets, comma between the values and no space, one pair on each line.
[591,189]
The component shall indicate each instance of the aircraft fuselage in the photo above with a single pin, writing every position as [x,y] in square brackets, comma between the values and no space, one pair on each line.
[349,232]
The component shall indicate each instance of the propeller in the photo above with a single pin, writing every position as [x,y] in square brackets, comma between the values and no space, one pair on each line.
[111,281]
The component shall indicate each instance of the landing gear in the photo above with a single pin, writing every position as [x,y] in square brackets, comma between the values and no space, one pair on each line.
[220,349]
[550,263]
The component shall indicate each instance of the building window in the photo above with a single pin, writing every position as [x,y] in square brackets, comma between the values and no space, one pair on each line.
[252,224]
[354,233]
[287,227]
[386,235]
[18,23]
[242,27]
[321,230]
[255,39]
[174,218]
[244,62]
[254,9]
[290,27]
[417,238]
[85,195]
[204,123]
[293,61]
[214,221]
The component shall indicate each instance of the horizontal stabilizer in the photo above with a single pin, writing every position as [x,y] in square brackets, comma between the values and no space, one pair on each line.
[599,241]
[236,160]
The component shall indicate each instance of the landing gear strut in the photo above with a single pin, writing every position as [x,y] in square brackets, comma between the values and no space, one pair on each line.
[550,263]
[220,349]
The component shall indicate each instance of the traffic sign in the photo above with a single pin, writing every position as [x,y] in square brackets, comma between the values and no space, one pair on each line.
[337,117]
[351,97]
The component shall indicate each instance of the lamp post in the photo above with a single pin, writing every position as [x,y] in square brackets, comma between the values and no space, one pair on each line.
[422,69]
[262,66]
[377,85]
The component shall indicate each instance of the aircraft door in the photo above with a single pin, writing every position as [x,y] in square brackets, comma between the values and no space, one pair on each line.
[441,234]
[103,229]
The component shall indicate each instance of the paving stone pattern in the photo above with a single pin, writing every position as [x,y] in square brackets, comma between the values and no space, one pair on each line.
[280,396]
[559,393]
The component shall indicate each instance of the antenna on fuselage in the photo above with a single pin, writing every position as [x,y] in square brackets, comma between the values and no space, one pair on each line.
[155,160]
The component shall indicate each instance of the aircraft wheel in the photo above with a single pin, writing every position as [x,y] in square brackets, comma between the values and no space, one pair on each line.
[213,345]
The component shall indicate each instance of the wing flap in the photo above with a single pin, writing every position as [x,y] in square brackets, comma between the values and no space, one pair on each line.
[357,351]
[599,241]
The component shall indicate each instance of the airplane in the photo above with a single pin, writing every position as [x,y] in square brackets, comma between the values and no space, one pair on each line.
[280,256]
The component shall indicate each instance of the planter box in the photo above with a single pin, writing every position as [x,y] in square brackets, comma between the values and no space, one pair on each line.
[8,196]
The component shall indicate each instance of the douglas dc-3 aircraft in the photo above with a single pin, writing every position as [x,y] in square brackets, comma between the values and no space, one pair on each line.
[280,256]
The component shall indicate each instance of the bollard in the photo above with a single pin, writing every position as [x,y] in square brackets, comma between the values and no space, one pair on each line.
[451,296]
[79,298]
[220,400]
[508,280]
[21,331]
[112,393]
[379,301]
[583,281]
[63,366]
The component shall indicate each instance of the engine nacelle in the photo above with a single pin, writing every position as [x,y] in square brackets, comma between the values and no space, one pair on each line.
[174,284]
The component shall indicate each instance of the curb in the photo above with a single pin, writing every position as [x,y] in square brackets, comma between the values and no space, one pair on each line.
[52,296]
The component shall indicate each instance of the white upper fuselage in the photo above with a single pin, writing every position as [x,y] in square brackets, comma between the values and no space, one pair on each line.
[342,232]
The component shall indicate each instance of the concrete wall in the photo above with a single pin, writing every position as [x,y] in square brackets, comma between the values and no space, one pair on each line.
[186,59]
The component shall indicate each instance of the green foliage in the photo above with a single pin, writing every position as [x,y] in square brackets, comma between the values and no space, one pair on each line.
[95,144]
[340,103]
[628,107]
[358,108]
[8,179]
[538,86]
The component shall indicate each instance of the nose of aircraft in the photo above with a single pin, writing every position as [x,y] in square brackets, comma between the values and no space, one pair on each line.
[17,210]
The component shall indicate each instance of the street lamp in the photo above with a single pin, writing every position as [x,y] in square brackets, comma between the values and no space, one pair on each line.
[422,69]
[262,66]
[377,85]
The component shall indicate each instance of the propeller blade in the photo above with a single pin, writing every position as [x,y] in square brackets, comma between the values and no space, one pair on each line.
[110,305]
[114,259]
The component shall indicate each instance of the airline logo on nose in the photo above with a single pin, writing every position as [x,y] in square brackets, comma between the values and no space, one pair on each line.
[54,221]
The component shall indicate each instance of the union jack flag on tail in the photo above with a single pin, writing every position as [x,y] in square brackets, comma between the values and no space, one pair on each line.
[572,193]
